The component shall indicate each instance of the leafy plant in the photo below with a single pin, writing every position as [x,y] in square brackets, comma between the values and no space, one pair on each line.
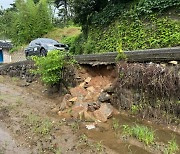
[51,67]
[121,55]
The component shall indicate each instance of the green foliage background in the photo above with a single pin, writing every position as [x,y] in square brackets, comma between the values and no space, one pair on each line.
[107,25]
[132,25]
[26,21]
[30,21]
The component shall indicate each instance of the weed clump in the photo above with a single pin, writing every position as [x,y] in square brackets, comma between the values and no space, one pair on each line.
[38,125]
[172,147]
[142,133]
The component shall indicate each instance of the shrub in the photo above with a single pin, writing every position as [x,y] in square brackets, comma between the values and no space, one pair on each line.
[51,67]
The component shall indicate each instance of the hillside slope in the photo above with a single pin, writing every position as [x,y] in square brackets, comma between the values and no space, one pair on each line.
[130,25]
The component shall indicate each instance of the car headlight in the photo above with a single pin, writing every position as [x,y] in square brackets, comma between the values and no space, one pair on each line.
[35,49]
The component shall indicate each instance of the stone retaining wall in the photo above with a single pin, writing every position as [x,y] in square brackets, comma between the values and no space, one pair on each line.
[19,69]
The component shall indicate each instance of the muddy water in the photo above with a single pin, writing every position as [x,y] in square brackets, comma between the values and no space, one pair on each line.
[105,134]
[8,145]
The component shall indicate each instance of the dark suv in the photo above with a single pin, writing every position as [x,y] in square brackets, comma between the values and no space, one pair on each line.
[41,46]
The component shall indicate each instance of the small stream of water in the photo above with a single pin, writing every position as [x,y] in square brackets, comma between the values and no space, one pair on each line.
[105,134]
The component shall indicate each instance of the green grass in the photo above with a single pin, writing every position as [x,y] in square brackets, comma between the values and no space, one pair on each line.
[19,102]
[75,126]
[142,133]
[115,124]
[58,151]
[61,33]
[1,79]
[83,139]
[99,147]
[39,125]
[2,98]
[172,147]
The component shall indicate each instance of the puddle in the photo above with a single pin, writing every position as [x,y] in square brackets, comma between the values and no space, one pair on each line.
[106,135]
[8,145]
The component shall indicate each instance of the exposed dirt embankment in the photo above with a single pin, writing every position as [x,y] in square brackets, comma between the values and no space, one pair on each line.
[149,90]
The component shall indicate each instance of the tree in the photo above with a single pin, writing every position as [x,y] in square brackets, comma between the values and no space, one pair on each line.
[84,10]
[5,23]
[65,9]
[30,20]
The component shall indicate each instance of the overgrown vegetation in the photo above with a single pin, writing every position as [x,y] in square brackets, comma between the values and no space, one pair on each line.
[148,90]
[51,67]
[105,28]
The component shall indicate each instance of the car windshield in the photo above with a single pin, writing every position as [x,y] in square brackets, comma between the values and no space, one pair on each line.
[48,41]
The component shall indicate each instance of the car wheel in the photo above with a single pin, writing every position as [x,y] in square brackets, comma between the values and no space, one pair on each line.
[27,55]
[43,52]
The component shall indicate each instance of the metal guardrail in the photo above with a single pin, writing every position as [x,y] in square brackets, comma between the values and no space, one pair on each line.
[150,55]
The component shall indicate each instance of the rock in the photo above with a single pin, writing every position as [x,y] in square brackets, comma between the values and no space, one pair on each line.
[77,111]
[163,65]
[103,97]
[91,89]
[87,80]
[69,104]
[78,92]
[115,112]
[93,106]
[104,112]
[23,84]
[77,77]
[173,62]
[64,102]
[88,97]
[110,67]
[55,110]
[71,101]
[82,84]
[64,114]
[89,116]
[74,99]
[109,89]
[91,97]
[86,85]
